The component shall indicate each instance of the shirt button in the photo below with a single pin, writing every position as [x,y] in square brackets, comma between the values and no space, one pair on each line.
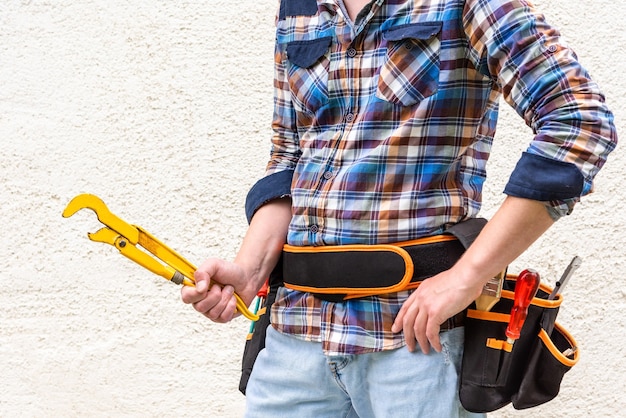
[328,175]
[350,117]
[314,229]
[552,48]
[351,52]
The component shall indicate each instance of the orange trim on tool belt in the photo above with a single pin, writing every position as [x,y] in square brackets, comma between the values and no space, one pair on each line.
[376,291]
[541,302]
[537,301]
[499,345]
[555,351]
[402,284]
[426,240]
[488,316]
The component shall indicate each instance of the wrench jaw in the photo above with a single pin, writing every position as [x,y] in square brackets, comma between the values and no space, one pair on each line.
[126,238]
[89,201]
[86,201]
[105,235]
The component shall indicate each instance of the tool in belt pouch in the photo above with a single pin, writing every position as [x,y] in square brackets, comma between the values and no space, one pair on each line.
[340,272]
[526,373]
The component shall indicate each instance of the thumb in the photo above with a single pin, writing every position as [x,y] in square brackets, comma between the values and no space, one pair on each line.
[202,284]
[211,270]
[202,277]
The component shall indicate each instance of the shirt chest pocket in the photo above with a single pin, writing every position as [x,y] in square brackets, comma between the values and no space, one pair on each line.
[411,69]
[308,63]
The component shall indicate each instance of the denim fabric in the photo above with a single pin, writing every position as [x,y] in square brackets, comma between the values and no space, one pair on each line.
[292,378]
[544,179]
[268,188]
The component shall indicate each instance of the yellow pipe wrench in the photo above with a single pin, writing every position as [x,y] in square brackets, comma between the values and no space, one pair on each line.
[126,237]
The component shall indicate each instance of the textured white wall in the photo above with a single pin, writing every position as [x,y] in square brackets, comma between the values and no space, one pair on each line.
[163,110]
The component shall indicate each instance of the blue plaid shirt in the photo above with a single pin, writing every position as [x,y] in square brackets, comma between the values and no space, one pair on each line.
[383,127]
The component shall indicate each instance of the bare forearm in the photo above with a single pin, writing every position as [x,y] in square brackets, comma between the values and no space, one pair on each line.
[264,240]
[515,226]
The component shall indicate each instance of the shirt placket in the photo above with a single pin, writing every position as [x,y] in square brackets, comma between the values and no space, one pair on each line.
[339,77]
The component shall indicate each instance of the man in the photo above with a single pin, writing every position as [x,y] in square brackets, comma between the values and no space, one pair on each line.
[385,112]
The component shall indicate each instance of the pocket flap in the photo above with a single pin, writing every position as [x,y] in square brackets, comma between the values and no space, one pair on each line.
[306,53]
[422,31]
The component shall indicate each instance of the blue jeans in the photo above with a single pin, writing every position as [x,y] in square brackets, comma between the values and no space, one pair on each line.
[293,378]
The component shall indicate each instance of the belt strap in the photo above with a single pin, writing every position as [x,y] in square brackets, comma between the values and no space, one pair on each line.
[339,272]
[351,271]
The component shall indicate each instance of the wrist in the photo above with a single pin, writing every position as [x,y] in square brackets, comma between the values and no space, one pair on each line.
[471,276]
[252,279]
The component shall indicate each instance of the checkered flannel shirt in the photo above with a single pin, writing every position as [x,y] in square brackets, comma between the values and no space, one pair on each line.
[383,127]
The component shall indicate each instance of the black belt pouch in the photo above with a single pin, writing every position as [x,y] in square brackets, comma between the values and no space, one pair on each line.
[256,339]
[526,374]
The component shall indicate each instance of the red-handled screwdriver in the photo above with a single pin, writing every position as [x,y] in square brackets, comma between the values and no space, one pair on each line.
[525,290]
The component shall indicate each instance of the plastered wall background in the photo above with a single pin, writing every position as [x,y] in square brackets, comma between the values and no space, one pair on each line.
[163,109]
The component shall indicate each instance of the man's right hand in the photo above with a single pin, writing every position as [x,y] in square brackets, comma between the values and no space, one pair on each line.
[213,295]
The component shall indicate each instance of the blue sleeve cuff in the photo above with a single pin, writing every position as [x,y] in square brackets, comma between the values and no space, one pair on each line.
[297,8]
[272,187]
[544,179]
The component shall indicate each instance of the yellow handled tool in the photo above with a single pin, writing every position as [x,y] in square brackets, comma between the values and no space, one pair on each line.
[125,237]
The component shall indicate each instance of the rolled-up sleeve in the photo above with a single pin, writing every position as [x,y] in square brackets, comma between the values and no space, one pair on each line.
[273,186]
[542,79]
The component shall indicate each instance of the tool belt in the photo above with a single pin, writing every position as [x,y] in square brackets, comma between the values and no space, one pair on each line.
[526,373]
[341,272]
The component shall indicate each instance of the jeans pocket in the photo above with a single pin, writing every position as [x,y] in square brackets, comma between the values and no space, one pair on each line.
[452,346]
[411,71]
